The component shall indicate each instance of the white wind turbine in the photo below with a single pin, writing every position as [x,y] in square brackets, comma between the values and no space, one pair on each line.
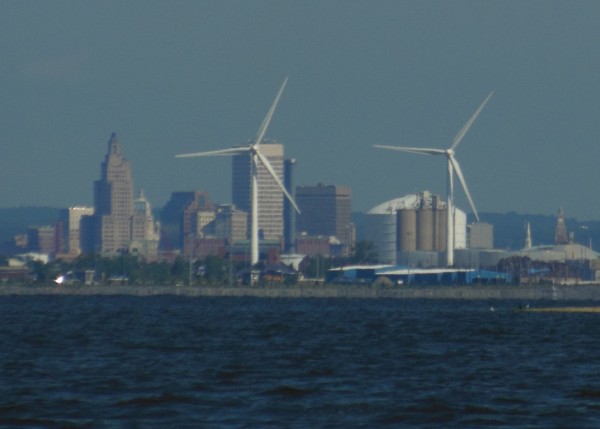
[257,157]
[453,167]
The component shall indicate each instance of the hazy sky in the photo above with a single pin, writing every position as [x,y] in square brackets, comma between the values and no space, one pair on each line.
[185,76]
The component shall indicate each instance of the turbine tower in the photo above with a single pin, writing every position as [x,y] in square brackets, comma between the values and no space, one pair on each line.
[453,167]
[256,158]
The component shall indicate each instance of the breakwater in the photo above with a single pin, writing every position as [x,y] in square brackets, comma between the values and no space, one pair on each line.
[523,293]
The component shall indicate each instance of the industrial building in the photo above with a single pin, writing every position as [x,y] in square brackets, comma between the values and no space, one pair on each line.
[71,219]
[411,230]
[481,236]
[406,276]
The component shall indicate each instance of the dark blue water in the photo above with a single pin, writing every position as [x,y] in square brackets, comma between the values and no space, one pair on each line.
[256,363]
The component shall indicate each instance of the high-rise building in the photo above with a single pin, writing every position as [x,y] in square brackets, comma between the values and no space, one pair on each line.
[270,196]
[144,231]
[179,219]
[143,226]
[289,213]
[205,223]
[43,239]
[325,210]
[231,224]
[113,202]
[71,219]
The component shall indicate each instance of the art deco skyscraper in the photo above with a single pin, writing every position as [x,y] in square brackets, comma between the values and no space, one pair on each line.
[113,202]
[270,196]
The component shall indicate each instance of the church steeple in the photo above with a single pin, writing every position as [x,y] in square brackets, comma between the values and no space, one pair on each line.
[528,244]
[560,232]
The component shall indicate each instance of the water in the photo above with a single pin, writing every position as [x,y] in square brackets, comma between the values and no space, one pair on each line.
[103,362]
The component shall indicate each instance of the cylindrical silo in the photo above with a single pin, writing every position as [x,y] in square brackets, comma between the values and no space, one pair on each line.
[425,230]
[407,230]
[441,222]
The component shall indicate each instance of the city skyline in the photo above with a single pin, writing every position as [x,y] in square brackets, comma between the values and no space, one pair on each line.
[198,76]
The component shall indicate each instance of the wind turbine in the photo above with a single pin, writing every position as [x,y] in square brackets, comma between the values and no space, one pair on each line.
[256,158]
[453,167]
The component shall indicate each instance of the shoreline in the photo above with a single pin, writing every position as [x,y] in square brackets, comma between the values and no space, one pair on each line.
[546,292]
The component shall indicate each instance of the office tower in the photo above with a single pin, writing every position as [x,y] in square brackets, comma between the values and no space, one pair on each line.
[231,224]
[43,239]
[289,213]
[205,223]
[71,219]
[178,217]
[270,196]
[144,231]
[142,220]
[325,210]
[113,202]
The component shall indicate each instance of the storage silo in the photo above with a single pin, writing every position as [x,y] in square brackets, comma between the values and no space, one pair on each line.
[460,229]
[393,226]
[425,229]
[380,227]
[407,230]
[441,234]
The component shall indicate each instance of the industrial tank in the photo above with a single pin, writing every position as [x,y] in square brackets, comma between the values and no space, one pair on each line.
[407,230]
[394,226]
[441,234]
[425,229]
[380,227]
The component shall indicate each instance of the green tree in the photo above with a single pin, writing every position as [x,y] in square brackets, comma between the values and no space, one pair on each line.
[364,253]
[180,270]
[214,269]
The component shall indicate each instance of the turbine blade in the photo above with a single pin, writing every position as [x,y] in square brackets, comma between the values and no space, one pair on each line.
[269,168]
[221,152]
[461,178]
[265,123]
[417,150]
[466,127]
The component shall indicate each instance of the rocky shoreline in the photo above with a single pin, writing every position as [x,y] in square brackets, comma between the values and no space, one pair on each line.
[556,293]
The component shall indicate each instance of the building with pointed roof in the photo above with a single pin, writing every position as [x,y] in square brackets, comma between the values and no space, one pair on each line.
[144,231]
[110,226]
[560,232]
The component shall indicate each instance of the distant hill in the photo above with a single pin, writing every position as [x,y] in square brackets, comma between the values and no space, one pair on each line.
[17,220]
[510,229]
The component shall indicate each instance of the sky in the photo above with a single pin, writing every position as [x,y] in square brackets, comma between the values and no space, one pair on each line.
[188,76]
